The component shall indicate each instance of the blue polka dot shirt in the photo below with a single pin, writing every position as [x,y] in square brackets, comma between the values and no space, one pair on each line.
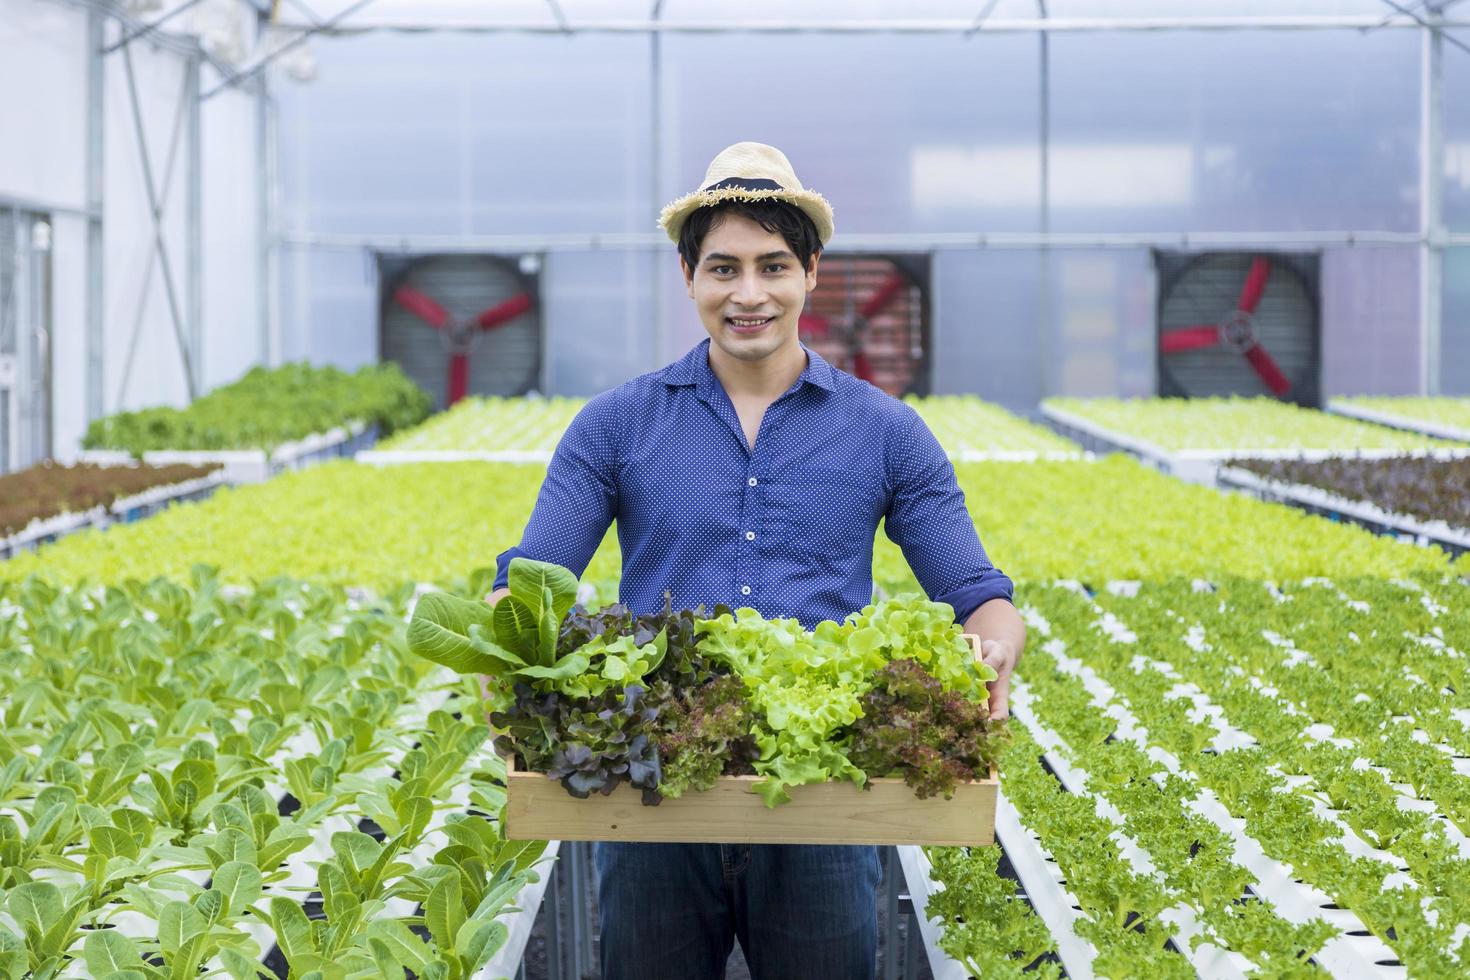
[786,527]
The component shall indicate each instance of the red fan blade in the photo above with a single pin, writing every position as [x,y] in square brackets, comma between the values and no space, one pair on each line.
[882,297]
[813,325]
[1188,338]
[504,312]
[1255,284]
[459,376]
[1266,367]
[421,306]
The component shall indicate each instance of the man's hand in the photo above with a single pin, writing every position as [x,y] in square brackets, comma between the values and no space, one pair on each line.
[1002,635]
[1001,657]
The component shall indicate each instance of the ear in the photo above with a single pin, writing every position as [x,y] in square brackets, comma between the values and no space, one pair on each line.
[811,272]
[688,276]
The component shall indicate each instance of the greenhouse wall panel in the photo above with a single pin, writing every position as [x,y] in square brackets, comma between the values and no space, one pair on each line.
[899,133]
[595,298]
[132,270]
[69,333]
[984,332]
[1455,340]
[1455,82]
[1150,132]
[43,77]
[329,308]
[507,135]
[1370,321]
[1248,131]
[231,255]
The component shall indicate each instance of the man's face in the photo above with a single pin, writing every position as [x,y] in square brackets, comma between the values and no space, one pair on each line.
[749,288]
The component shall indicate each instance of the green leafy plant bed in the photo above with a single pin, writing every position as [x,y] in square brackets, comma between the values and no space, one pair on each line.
[268,407]
[49,489]
[725,714]
[1415,486]
[197,778]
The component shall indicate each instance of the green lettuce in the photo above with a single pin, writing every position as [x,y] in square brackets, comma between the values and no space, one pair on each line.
[515,638]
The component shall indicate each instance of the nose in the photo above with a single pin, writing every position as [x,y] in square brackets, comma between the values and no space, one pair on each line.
[749,289]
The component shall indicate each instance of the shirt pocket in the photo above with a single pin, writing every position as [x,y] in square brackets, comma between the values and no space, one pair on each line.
[825,515]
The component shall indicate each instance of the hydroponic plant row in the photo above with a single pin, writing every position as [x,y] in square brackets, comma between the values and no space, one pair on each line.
[1213,428]
[268,407]
[194,780]
[1445,417]
[47,489]
[527,430]
[1412,488]
[1170,681]
[364,526]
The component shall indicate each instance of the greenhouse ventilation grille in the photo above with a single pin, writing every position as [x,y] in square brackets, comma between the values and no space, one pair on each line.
[462,324]
[1239,323]
[869,316]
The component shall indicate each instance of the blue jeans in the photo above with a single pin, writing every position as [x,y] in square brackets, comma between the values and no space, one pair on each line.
[803,912]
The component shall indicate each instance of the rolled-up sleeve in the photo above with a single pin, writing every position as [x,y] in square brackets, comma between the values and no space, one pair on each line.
[928,520]
[579,497]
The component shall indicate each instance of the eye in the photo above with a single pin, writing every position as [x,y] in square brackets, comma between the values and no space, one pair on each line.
[776,265]
[720,270]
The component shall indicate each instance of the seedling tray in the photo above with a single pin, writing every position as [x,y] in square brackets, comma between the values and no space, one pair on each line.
[731,812]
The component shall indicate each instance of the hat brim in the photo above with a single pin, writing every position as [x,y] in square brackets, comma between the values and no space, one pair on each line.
[814,205]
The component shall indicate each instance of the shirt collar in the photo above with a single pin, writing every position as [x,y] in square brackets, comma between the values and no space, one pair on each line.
[693,369]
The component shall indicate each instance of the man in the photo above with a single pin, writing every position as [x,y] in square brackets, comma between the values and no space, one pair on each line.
[750,472]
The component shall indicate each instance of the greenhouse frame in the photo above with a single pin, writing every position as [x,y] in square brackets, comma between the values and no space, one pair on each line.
[293,270]
[394,584]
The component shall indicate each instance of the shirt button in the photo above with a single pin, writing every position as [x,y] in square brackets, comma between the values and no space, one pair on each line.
[750,535]
[750,482]
[745,590]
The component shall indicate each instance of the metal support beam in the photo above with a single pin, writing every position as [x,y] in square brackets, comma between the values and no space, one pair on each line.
[156,203]
[895,242]
[895,26]
[96,249]
[265,248]
[1045,327]
[194,231]
[655,177]
[148,27]
[259,64]
[1431,204]
[1433,10]
[559,17]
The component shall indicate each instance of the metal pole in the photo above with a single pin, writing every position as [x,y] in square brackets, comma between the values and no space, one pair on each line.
[194,214]
[264,231]
[584,856]
[937,25]
[551,908]
[655,196]
[96,252]
[891,873]
[260,64]
[578,907]
[892,242]
[156,207]
[1431,213]
[1044,333]
[149,27]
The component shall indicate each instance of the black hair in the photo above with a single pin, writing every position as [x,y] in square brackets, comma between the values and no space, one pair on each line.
[779,217]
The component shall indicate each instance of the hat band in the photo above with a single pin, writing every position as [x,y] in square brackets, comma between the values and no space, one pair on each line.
[746,184]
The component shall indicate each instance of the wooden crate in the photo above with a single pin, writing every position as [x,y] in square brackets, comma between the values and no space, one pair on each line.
[731,812]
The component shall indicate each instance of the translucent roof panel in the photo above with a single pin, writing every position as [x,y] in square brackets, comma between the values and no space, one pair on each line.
[471,14]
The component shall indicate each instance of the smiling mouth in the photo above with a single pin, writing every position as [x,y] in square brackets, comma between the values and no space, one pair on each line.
[744,325]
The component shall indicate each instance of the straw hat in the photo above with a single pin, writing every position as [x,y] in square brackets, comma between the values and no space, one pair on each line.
[749,172]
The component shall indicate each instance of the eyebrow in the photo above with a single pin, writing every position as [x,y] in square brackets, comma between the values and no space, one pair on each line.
[764,257]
